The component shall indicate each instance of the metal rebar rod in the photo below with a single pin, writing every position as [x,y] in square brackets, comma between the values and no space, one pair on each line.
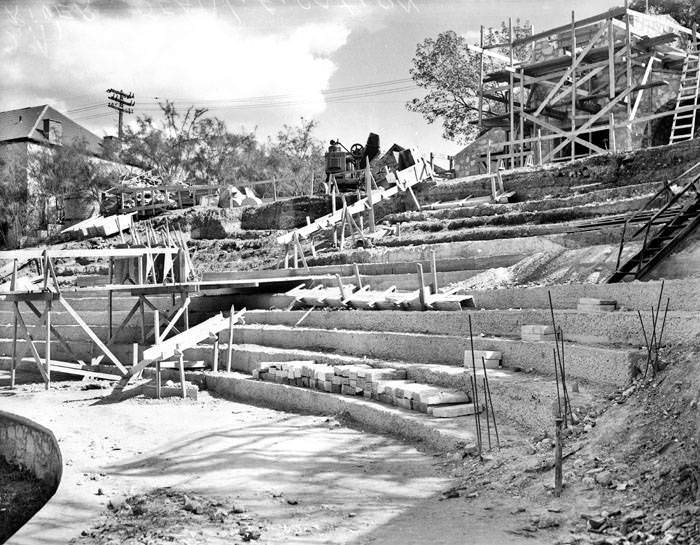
[477,405]
[562,370]
[646,342]
[486,405]
[493,414]
[554,327]
[556,378]
[663,326]
[477,423]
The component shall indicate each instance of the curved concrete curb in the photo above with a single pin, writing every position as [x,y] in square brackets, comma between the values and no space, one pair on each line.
[25,443]
[440,434]
[33,447]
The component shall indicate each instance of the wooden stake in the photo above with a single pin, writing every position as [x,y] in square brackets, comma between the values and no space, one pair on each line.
[229,352]
[558,473]
[433,266]
[358,278]
[181,365]
[421,284]
[48,344]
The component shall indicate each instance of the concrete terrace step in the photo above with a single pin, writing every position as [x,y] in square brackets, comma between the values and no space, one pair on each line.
[434,222]
[684,295]
[616,328]
[446,434]
[603,196]
[596,364]
[440,233]
[522,399]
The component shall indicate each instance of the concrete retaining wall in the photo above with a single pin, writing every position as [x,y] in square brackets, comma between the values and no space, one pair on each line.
[614,328]
[391,420]
[31,446]
[597,364]
[684,295]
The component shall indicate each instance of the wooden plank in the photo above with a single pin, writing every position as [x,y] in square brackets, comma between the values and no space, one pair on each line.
[610,14]
[37,253]
[106,351]
[31,345]
[187,339]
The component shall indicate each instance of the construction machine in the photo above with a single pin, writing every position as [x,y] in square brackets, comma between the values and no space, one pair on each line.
[346,165]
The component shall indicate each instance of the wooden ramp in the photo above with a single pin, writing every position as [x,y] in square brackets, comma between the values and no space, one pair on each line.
[176,345]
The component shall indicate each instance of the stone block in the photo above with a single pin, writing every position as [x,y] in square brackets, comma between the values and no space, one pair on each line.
[451,411]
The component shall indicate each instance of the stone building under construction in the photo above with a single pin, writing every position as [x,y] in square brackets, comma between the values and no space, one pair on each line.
[532,111]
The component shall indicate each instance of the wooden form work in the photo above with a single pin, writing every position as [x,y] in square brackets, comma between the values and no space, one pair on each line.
[338,220]
[565,101]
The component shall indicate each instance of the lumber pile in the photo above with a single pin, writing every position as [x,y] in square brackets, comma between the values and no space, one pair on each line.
[386,385]
[537,332]
[588,304]
[99,226]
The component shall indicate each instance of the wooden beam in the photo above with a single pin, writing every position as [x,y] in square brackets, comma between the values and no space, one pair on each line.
[645,78]
[90,333]
[610,14]
[575,61]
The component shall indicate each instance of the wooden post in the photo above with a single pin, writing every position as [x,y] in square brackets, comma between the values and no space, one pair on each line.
[48,344]
[311,189]
[611,77]
[522,117]
[573,85]
[340,287]
[421,284]
[358,278]
[481,77]
[13,365]
[158,379]
[142,309]
[539,147]
[433,267]
[370,202]
[181,366]
[488,156]
[296,255]
[134,354]
[628,55]
[110,296]
[511,107]
[274,189]
[215,354]
[558,484]
[229,354]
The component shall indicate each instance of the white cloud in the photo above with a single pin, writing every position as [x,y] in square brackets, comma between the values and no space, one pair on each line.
[191,54]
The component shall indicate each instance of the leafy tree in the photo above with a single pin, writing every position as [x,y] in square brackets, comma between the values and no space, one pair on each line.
[196,149]
[297,156]
[686,12]
[167,148]
[17,206]
[449,73]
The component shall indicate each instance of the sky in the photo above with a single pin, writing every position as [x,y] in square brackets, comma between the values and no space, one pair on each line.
[257,64]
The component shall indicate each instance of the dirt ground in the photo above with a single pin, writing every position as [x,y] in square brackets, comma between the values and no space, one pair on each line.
[298,478]
[21,495]
[146,471]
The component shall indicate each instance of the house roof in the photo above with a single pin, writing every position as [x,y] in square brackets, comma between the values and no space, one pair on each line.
[27,124]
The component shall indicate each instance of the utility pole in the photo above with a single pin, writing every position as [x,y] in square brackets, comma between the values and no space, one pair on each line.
[123,103]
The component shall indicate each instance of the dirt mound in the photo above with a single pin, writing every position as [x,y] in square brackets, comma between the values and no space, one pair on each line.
[170,516]
[21,495]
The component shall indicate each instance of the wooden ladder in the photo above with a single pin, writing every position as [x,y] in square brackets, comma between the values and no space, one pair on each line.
[683,127]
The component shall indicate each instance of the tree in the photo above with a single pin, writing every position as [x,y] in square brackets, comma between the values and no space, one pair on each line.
[17,206]
[686,12]
[167,148]
[70,169]
[297,156]
[196,149]
[449,72]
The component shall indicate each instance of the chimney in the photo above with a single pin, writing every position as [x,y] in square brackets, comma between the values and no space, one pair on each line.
[53,130]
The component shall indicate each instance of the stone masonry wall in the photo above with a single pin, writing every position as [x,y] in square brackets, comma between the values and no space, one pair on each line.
[31,446]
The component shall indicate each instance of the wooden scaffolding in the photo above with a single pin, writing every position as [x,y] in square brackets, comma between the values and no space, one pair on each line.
[581,91]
